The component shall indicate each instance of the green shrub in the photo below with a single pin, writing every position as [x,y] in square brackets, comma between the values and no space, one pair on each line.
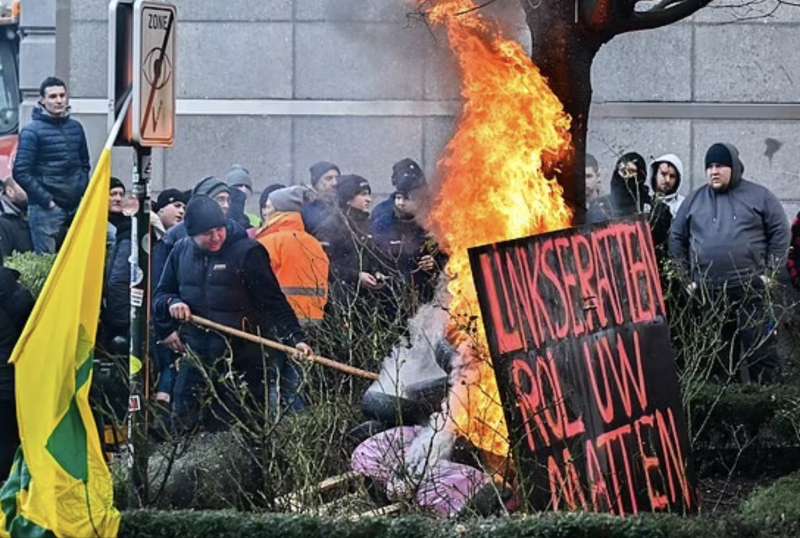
[151,524]
[33,269]
[777,505]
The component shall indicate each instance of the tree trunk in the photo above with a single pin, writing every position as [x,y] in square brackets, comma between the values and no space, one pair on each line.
[564,55]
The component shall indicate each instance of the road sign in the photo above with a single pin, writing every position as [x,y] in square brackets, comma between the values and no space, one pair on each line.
[154,73]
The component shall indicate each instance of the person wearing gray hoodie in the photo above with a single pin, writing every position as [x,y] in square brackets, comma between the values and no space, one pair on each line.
[666,173]
[731,235]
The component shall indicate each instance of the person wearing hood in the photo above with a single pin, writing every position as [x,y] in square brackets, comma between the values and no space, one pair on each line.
[15,234]
[301,267]
[324,177]
[217,272]
[241,188]
[666,173]
[731,236]
[629,197]
[52,166]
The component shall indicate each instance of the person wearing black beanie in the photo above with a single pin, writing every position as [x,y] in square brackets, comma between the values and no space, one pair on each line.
[730,237]
[203,215]
[356,264]
[220,274]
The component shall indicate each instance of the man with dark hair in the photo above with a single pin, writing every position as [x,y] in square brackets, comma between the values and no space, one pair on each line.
[594,183]
[52,165]
[666,173]
[324,178]
[218,273]
[732,235]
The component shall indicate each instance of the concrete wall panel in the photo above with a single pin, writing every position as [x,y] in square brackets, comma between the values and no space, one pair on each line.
[235,60]
[359,61]
[209,145]
[645,66]
[437,134]
[199,10]
[337,11]
[364,146]
[88,59]
[747,63]
[768,150]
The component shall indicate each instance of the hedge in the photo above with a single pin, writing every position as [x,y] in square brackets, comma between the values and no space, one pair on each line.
[769,512]
[152,524]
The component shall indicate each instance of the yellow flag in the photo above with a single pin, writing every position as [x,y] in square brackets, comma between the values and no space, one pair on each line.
[61,485]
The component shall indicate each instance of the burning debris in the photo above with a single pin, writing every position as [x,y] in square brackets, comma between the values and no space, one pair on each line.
[493,184]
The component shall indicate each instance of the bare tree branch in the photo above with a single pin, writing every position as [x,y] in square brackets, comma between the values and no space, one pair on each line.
[657,17]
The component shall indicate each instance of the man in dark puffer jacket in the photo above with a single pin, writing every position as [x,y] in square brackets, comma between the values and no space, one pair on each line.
[52,165]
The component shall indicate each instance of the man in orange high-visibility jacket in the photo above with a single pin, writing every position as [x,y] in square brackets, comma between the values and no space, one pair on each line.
[297,258]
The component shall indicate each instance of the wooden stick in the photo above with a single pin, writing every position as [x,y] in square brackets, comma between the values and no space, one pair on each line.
[292,500]
[291,351]
[388,510]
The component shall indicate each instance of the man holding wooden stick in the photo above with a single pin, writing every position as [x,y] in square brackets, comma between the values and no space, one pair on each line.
[220,274]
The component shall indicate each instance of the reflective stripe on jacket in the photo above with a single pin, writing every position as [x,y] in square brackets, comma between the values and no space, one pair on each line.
[299,263]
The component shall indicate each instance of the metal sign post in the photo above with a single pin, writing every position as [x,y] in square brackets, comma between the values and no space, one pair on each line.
[142,33]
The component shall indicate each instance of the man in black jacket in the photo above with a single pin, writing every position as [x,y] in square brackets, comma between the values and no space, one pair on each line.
[52,165]
[218,273]
[16,304]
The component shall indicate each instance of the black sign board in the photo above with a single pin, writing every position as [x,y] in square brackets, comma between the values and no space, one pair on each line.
[576,326]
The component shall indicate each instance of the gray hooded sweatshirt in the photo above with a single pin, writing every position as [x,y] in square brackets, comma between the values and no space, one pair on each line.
[673,199]
[731,236]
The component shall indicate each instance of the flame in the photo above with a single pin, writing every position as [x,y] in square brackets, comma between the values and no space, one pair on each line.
[492,184]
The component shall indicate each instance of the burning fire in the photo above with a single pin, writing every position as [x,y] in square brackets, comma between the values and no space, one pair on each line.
[492,184]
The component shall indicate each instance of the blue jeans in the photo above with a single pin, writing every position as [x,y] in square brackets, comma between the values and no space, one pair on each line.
[284,382]
[48,227]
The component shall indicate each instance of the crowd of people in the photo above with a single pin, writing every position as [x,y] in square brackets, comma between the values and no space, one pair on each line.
[312,246]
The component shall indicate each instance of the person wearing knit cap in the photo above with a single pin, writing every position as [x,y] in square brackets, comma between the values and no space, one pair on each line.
[324,176]
[170,207]
[301,267]
[216,189]
[729,238]
[238,177]
[116,195]
[264,199]
[356,262]
[407,176]
[403,240]
[241,187]
[220,274]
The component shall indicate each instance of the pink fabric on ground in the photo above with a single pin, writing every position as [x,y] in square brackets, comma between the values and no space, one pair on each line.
[446,487]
